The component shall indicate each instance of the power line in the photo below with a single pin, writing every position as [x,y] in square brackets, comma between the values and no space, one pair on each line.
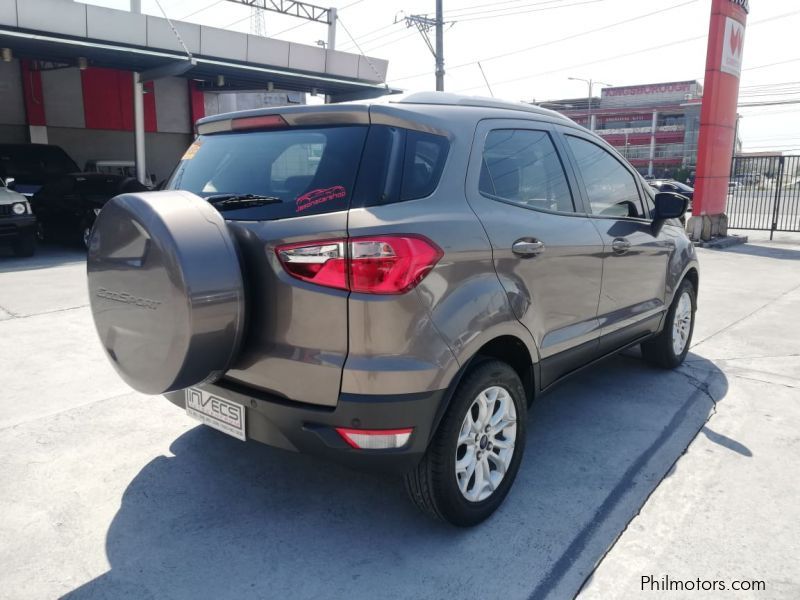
[783,62]
[494,4]
[361,38]
[191,14]
[487,14]
[369,62]
[400,39]
[370,34]
[628,54]
[556,41]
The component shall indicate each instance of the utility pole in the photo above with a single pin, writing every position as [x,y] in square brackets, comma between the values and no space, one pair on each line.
[439,47]
[424,24]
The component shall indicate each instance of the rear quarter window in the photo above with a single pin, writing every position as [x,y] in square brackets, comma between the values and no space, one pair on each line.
[400,165]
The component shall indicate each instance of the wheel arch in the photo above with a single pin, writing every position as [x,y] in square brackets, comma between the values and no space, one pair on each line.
[694,277]
[506,347]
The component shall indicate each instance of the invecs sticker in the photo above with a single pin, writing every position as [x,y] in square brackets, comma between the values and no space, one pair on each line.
[319,196]
[192,150]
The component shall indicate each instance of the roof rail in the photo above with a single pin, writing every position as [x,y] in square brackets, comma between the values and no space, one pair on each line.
[445,98]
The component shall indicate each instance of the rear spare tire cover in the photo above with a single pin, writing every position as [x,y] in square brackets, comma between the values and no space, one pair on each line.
[166,290]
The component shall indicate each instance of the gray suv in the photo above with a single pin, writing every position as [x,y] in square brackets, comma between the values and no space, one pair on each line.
[390,284]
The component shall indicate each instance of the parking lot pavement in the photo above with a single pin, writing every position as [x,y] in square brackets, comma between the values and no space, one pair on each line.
[728,511]
[106,493]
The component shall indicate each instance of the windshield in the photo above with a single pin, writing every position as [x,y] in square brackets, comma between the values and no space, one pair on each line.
[310,171]
[682,186]
[34,161]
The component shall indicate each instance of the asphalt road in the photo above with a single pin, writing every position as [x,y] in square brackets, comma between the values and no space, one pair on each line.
[106,493]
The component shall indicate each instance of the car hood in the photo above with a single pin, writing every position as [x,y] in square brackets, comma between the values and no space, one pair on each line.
[8,196]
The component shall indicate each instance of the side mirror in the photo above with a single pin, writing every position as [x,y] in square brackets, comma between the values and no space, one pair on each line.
[10,183]
[670,205]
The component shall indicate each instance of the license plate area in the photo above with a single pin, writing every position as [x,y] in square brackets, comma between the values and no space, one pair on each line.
[219,413]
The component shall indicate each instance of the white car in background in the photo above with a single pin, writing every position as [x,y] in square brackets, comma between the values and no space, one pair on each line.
[17,223]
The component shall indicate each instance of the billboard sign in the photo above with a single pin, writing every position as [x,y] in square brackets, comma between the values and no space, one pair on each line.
[732,47]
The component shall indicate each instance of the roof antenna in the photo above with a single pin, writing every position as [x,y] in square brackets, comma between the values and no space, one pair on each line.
[480,66]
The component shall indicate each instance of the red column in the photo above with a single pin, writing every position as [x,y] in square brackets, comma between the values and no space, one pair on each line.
[718,114]
[196,103]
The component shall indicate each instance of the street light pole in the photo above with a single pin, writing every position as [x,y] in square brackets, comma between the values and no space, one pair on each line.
[590,83]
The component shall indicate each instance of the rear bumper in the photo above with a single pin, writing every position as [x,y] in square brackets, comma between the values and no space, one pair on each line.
[13,227]
[310,429]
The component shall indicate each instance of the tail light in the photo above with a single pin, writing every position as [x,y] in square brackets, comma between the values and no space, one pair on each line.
[375,439]
[368,265]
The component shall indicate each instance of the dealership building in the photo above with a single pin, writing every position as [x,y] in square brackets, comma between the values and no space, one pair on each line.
[655,126]
[119,85]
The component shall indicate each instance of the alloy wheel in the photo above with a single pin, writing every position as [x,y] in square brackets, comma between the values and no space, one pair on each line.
[485,444]
[682,324]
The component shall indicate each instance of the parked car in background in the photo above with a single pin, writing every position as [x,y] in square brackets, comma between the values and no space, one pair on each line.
[17,222]
[67,206]
[390,284]
[670,185]
[33,165]
[126,168]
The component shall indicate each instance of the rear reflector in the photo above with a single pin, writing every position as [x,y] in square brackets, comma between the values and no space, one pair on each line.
[372,265]
[375,439]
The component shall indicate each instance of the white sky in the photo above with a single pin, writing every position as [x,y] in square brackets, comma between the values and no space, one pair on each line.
[618,55]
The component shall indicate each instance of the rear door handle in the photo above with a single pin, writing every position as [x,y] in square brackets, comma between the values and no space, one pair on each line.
[620,245]
[527,247]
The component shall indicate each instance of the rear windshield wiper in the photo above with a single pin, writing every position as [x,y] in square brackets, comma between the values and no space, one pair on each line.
[226,201]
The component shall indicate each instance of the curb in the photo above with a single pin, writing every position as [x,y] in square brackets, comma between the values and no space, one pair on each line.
[718,243]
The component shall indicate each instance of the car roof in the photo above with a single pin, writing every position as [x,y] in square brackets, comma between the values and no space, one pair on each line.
[415,102]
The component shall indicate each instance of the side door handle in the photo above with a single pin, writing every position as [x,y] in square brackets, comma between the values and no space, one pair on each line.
[620,246]
[527,247]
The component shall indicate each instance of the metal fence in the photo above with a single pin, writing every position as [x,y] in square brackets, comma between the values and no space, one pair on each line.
[765,193]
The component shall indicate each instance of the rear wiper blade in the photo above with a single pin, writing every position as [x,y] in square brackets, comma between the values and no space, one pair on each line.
[225,201]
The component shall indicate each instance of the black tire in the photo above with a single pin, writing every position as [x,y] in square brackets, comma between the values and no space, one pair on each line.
[25,245]
[659,351]
[86,230]
[433,485]
[41,234]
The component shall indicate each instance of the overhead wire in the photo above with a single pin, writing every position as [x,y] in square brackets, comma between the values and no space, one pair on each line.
[551,42]
[625,54]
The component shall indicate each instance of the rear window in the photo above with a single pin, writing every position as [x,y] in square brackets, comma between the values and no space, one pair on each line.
[311,171]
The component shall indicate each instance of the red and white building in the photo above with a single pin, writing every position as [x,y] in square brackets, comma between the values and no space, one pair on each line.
[655,126]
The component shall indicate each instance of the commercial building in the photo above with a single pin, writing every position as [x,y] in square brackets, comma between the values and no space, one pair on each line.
[108,84]
[655,126]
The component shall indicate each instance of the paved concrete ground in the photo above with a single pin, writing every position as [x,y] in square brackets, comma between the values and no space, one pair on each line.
[729,510]
[105,493]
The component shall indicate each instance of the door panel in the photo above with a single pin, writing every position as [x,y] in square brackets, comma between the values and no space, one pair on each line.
[635,255]
[547,255]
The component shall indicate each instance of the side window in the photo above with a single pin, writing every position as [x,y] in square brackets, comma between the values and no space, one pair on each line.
[523,167]
[424,160]
[611,187]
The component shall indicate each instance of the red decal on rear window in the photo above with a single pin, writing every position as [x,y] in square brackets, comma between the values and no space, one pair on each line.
[319,196]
